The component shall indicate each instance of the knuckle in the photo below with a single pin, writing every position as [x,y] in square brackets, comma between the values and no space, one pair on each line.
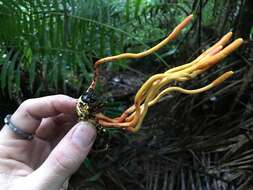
[26,104]
[62,96]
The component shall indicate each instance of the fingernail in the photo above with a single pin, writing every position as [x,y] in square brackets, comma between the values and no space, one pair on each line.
[84,134]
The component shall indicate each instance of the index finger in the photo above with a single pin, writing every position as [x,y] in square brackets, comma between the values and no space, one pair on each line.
[31,112]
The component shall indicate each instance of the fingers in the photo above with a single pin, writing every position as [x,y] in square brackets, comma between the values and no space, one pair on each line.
[31,112]
[52,127]
[66,157]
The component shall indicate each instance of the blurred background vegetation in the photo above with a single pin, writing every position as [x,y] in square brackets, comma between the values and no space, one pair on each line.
[199,142]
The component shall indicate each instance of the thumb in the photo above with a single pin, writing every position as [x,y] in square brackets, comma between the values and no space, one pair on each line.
[66,157]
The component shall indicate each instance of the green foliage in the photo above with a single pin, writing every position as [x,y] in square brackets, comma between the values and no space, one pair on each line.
[58,41]
[55,41]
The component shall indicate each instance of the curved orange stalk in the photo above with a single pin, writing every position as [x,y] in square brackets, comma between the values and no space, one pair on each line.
[157,86]
[172,36]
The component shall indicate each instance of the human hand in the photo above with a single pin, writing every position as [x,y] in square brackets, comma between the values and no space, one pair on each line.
[55,152]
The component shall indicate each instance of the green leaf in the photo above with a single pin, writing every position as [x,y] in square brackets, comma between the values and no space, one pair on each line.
[32,72]
[102,41]
[137,7]
[5,69]
[127,10]
[51,26]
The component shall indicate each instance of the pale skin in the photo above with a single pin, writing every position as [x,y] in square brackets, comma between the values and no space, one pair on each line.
[59,146]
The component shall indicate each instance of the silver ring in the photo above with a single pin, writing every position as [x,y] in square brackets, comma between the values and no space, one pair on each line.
[16,130]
